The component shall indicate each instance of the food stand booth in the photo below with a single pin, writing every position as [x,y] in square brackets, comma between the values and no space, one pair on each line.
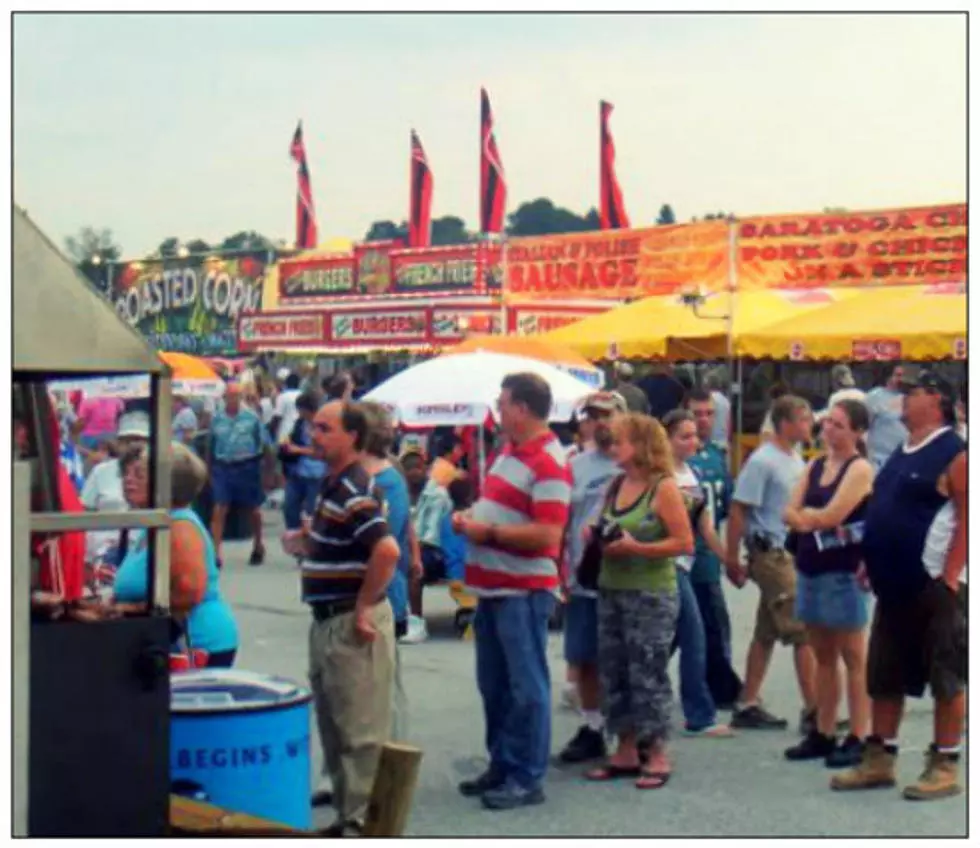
[90,691]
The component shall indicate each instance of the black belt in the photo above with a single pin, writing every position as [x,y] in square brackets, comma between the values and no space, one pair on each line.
[325,610]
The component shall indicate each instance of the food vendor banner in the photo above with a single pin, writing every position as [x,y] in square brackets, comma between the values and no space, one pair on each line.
[317,277]
[300,330]
[618,264]
[461,269]
[186,305]
[888,247]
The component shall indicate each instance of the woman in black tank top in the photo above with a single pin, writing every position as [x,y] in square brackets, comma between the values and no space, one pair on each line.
[826,515]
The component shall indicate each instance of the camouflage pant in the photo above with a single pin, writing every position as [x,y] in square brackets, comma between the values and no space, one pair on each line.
[636,630]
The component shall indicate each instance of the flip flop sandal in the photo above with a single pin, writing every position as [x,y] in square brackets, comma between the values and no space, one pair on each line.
[611,771]
[652,779]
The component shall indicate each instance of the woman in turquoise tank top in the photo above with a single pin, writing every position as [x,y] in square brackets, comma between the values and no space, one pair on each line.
[196,604]
[645,520]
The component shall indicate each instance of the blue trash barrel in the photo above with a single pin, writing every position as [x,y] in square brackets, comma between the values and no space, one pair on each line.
[241,740]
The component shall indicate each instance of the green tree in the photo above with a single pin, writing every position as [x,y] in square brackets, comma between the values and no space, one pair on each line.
[93,250]
[450,230]
[198,246]
[666,215]
[387,231]
[541,217]
[247,240]
[168,247]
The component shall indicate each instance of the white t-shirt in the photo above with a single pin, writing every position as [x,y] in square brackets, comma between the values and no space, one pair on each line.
[267,409]
[687,482]
[938,540]
[103,492]
[287,413]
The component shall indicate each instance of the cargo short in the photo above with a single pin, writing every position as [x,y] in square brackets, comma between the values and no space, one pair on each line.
[774,572]
[919,641]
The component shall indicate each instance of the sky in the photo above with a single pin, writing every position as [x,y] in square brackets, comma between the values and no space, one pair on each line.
[179,125]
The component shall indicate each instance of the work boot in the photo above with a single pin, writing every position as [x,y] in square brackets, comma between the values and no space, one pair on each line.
[939,780]
[875,771]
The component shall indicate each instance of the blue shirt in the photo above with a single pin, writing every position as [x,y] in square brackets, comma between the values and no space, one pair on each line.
[887,431]
[592,473]
[211,625]
[397,513]
[307,467]
[237,438]
[764,486]
[184,424]
[453,549]
[711,468]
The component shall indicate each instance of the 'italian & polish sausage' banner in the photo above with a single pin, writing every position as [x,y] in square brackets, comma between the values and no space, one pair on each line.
[887,247]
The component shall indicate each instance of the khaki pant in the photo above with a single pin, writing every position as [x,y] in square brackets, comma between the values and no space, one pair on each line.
[353,687]
[774,572]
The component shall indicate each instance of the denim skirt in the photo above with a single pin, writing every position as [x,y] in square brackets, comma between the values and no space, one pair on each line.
[832,600]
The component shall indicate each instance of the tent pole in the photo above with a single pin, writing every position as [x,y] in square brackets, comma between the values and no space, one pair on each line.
[734,385]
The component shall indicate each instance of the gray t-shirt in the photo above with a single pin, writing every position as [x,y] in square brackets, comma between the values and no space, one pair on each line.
[764,486]
[592,472]
[887,431]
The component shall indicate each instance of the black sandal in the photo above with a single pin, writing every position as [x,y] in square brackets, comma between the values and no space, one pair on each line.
[611,771]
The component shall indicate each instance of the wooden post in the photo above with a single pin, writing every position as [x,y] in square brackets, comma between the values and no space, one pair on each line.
[394,788]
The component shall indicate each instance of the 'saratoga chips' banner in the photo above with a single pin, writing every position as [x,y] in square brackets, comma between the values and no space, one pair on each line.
[189,306]
[887,247]
[619,264]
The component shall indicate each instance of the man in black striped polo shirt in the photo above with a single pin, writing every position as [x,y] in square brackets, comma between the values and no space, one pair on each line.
[349,558]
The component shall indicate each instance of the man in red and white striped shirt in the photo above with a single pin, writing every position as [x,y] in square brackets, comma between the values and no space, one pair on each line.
[514,533]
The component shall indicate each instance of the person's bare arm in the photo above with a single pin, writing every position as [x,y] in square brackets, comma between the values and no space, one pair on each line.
[853,489]
[188,571]
[380,568]
[793,515]
[733,537]
[707,530]
[956,557]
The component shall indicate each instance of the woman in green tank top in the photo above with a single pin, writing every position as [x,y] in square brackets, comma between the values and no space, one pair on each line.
[638,601]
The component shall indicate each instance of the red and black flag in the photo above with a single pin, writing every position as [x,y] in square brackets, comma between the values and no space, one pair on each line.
[612,212]
[420,214]
[493,186]
[305,216]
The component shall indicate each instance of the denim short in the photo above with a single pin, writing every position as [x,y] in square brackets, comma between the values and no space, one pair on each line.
[238,483]
[581,630]
[833,600]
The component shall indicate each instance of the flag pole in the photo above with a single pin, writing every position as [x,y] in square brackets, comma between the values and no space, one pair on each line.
[503,281]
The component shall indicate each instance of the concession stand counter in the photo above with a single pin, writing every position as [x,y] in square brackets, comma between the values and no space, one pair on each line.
[90,692]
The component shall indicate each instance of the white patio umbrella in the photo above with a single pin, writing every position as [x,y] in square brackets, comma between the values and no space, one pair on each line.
[461,389]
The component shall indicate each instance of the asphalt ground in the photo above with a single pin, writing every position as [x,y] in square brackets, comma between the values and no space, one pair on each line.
[735,787]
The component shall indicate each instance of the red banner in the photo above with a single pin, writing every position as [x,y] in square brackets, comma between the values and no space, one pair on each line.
[887,247]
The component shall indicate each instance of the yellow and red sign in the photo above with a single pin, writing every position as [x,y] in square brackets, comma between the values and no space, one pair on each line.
[617,264]
[888,247]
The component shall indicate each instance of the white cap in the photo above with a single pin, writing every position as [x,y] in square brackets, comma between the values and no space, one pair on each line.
[134,425]
[283,374]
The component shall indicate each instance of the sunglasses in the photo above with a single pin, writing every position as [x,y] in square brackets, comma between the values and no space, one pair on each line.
[598,414]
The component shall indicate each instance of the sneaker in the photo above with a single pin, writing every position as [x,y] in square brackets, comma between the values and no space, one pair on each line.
[756,717]
[484,783]
[808,722]
[586,745]
[847,754]
[875,771]
[417,633]
[939,780]
[510,796]
[257,557]
[814,746]
[712,731]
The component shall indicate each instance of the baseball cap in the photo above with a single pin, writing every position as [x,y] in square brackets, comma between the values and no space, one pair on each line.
[283,374]
[605,402]
[914,377]
[840,375]
[134,425]
[624,369]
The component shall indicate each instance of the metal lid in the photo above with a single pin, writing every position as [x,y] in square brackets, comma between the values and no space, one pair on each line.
[230,690]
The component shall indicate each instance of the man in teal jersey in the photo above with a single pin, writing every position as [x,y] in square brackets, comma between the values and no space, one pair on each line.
[711,467]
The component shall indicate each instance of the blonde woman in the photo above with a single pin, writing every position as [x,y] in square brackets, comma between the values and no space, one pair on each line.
[644,526]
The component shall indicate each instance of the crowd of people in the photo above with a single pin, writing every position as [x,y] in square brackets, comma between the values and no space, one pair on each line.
[633,526]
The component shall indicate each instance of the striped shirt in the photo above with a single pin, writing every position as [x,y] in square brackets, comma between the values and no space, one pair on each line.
[348,522]
[527,484]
